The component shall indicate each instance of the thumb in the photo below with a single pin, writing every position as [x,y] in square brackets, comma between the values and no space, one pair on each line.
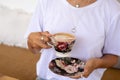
[86,71]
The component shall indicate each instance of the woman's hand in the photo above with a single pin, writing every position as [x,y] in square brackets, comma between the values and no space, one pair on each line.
[94,63]
[89,67]
[38,40]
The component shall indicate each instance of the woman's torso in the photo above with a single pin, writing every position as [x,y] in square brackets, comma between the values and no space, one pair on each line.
[91,23]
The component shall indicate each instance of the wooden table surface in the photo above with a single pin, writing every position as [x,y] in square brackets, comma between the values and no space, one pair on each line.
[4,77]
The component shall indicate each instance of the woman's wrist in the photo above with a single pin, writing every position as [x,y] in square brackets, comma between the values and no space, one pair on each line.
[105,61]
[98,63]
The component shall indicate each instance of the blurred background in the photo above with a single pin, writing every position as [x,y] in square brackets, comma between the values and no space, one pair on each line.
[16,62]
[26,5]
[14,19]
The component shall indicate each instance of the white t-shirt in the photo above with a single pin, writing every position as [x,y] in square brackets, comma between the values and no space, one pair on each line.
[97,31]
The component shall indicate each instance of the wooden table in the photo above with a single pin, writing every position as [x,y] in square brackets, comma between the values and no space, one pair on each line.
[4,77]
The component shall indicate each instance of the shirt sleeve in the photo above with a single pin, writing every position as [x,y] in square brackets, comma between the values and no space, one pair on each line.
[36,22]
[112,40]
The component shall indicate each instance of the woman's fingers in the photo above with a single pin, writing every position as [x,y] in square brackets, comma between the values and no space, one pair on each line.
[76,76]
[42,44]
[46,33]
[87,71]
[32,49]
[38,41]
[90,66]
[45,36]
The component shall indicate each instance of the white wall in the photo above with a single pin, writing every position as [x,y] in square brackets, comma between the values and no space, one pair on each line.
[27,5]
[14,19]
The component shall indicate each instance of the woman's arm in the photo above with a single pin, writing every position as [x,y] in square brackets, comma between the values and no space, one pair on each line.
[107,61]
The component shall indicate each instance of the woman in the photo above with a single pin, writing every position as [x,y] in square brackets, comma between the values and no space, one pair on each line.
[96,25]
